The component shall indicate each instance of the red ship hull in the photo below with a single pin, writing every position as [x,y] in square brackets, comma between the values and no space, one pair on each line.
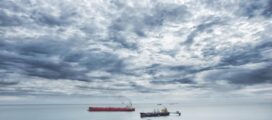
[111,109]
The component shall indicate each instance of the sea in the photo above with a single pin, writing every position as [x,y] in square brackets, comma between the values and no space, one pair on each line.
[188,112]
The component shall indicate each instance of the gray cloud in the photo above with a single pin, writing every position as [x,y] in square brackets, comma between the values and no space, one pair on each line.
[208,24]
[162,13]
[254,54]
[255,8]
[174,81]
[242,75]
[268,8]
[7,83]
[127,23]
[43,18]
[33,59]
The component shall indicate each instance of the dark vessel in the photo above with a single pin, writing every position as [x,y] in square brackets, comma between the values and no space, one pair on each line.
[163,112]
[154,114]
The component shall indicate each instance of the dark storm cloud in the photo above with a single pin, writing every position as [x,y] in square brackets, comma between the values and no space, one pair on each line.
[238,59]
[7,83]
[263,75]
[36,67]
[173,81]
[251,9]
[33,59]
[242,75]
[103,61]
[268,9]
[255,8]
[249,55]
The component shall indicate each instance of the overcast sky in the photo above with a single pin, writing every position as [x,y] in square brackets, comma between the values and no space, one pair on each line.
[178,49]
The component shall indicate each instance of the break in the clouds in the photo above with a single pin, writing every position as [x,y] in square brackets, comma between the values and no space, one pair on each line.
[186,48]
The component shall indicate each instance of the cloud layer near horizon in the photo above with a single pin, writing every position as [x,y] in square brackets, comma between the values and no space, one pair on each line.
[193,48]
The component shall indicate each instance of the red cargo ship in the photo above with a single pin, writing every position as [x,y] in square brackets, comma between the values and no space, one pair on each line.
[127,108]
[111,109]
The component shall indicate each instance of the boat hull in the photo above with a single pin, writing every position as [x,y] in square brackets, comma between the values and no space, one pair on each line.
[154,114]
[111,109]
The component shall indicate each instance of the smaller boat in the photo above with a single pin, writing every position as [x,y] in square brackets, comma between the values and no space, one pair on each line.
[154,114]
[163,112]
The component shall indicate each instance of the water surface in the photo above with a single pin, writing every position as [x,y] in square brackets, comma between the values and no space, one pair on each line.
[189,112]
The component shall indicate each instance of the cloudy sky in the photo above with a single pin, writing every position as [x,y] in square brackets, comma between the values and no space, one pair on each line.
[179,49]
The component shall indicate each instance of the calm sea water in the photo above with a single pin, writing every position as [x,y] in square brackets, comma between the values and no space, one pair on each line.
[189,112]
